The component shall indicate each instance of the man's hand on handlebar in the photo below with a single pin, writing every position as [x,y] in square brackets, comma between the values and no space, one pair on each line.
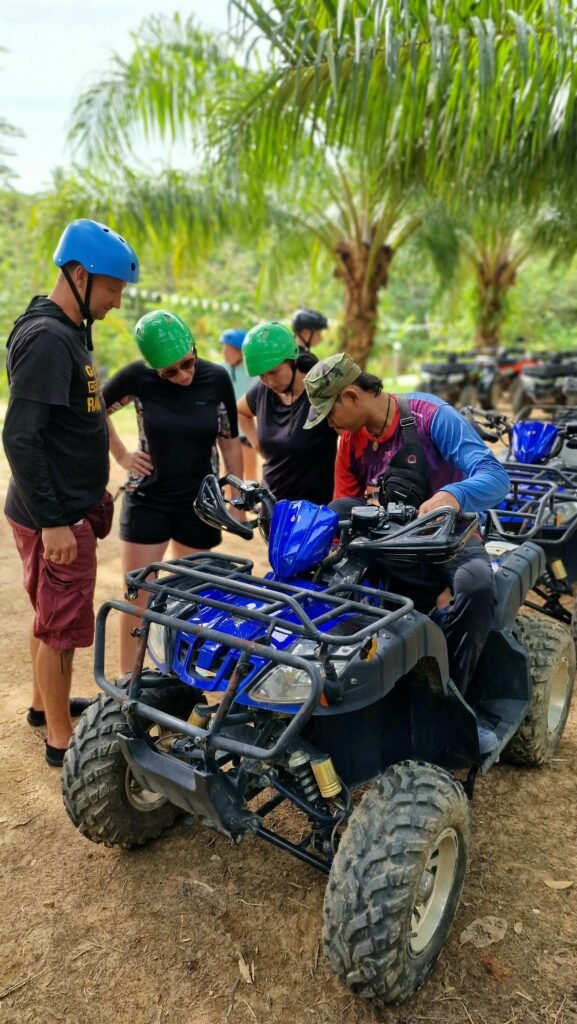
[441,499]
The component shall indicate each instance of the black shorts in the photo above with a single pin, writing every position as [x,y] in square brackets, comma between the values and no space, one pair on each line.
[144,523]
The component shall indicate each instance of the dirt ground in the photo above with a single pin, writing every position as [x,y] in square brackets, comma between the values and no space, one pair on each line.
[96,936]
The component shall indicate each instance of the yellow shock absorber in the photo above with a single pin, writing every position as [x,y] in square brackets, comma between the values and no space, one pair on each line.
[558,569]
[327,778]
[200,716]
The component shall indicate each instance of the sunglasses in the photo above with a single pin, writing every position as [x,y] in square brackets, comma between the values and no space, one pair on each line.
[173,371]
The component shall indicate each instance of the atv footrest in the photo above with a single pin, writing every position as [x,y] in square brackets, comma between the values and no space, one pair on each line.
[503,717]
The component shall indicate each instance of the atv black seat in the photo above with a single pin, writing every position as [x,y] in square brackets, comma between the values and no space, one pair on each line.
[550,371]
[442,369]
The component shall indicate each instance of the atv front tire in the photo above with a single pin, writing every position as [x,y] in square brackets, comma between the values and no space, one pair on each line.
[101,796]
[396,881]
[551,651]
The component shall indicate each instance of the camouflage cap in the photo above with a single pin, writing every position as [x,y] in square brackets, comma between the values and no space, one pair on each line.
[324,383]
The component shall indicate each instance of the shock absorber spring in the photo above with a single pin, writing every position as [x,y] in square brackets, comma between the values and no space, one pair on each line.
[300,766]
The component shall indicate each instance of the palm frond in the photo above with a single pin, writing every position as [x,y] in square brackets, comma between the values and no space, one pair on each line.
[442,93]
[162,90]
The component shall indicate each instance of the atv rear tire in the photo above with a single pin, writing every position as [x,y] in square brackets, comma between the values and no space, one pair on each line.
[396,881]
[468,396]
[101,796]
[551,650]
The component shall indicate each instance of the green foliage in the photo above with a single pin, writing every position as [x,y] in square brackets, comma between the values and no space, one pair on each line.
[23,272]
[7,131]
[447,94]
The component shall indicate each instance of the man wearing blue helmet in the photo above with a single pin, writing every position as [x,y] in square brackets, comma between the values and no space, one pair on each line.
[231,342]
[56,441]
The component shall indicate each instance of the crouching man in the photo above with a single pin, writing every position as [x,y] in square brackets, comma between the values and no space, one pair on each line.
[418,450]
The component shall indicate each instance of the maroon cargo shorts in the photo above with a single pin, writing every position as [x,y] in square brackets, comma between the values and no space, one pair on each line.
[62,595]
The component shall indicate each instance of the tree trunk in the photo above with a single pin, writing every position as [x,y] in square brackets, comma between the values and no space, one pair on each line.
[362,281]
[493,283]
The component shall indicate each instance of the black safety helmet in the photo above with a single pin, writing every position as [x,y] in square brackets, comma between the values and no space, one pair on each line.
[308,320]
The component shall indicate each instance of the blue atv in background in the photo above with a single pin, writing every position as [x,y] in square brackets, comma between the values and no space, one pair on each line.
[540,457]
[303,686]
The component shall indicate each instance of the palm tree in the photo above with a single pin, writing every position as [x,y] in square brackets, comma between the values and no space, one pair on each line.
[332,134]
[351,214]
[494,246]
[445,93]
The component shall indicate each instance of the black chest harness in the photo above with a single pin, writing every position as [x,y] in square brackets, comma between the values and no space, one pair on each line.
[406,478]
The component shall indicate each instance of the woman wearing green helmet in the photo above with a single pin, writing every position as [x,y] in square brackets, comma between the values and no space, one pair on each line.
[274,411]
[185,406]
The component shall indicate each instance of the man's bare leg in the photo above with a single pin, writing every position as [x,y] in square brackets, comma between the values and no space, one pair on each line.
[54,678]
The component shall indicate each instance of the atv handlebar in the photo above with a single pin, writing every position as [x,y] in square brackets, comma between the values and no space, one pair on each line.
[431,538]
[490,426]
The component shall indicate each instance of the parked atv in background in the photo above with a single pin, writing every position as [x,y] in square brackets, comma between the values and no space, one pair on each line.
[541,506]
[498,374]
[454,380]
[547,442]
[301,687]
[549,383]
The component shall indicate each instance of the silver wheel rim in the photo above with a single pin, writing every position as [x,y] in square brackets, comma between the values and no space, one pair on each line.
[434,891]
[142,799]
[558,696]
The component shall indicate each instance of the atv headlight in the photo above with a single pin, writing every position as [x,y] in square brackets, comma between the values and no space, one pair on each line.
[564,511]
[157,635]
[282,685]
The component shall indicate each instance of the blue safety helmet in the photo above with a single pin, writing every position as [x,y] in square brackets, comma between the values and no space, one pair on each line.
[99,249]
[233,337]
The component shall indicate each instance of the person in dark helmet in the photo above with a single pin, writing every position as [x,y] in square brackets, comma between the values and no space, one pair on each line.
[307,326]
[56,441]
[185,406]
[418,450]
[231,341]
[273,414]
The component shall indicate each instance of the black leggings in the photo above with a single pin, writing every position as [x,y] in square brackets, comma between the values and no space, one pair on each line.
[467,619]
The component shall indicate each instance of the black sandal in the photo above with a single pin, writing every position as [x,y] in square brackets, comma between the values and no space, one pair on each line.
[76,706]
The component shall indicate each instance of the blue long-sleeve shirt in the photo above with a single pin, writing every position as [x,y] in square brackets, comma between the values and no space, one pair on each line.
[458,460]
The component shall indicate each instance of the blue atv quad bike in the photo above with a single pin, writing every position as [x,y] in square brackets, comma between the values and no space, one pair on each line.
[541,460]
[301,688]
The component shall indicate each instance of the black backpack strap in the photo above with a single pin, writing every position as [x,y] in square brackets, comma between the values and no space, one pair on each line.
[407,422]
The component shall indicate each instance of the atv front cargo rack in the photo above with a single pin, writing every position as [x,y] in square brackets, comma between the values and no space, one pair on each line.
[185,582]
[230,575]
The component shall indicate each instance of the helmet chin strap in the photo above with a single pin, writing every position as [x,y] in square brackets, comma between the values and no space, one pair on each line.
[83,303]
[288,391]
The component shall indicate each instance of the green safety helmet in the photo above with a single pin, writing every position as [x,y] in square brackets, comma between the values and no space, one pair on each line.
[163,338]
[266,346]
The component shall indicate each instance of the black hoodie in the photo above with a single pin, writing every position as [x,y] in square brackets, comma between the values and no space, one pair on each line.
[55,433]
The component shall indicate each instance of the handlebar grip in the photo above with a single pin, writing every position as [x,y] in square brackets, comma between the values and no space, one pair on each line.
[234,481]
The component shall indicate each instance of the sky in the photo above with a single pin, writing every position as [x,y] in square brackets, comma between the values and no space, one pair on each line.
[55,47]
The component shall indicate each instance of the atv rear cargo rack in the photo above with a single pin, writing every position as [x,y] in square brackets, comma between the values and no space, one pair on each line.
[531,511]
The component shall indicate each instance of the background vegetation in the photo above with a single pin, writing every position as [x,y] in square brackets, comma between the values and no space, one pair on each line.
[407,167]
